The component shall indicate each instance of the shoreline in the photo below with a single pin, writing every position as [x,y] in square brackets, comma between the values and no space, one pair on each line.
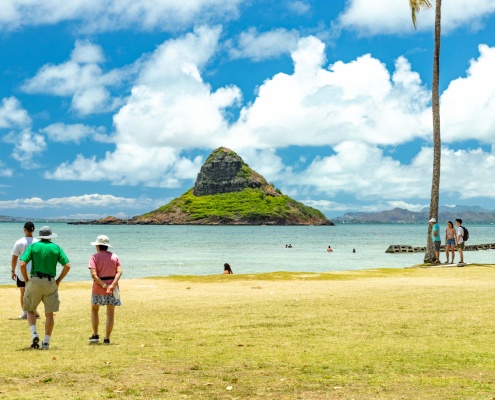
[289,275]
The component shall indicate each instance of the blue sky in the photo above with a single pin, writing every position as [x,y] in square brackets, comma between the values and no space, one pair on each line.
[111,107]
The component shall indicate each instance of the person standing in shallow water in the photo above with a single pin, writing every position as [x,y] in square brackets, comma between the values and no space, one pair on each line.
[226,269]
[106,271]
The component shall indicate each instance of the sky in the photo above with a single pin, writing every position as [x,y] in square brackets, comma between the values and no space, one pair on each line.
[110,107]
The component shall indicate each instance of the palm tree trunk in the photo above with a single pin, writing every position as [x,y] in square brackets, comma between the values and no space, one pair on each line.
[435,182]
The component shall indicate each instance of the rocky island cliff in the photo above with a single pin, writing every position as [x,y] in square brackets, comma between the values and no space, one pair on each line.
[228,192]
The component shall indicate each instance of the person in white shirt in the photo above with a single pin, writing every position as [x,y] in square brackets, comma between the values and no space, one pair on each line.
[19,248]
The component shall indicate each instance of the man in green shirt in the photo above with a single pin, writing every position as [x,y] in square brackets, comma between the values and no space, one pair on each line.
[42,286]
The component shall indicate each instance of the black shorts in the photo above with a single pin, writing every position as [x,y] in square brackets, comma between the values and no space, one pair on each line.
[20,283]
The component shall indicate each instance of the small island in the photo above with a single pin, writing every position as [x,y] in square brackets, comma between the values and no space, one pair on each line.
[228,192]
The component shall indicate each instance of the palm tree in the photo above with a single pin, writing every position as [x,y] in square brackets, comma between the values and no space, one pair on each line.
[416,6]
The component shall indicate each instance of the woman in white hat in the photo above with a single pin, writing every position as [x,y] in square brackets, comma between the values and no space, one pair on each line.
[106,271]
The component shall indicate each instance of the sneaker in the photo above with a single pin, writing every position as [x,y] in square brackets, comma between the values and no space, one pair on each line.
[45,346]
[106,341]
[94,339]
[35,344]
[22,316]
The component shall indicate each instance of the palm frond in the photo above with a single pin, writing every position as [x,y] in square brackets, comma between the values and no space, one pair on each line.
[416,6]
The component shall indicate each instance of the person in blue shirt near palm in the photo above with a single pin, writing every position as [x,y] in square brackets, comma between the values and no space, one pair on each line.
[435,237]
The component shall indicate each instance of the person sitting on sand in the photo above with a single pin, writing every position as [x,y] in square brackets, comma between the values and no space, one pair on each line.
[226,269]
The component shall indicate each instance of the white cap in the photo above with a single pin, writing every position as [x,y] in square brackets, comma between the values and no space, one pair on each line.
[432,220]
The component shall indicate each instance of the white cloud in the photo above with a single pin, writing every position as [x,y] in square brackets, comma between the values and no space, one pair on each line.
[73,133]
[80,78]
[327,205]
[132,165]
[468,104]
[392,16]
[27,146]
[407,206]
[468,174]
[170,109]
[353,108]
[112,15]
[26,143]
[358,100]
[12,115]
[299,7]
[261,46]
[87,200]
[264,161]
[363,171]
[5,172]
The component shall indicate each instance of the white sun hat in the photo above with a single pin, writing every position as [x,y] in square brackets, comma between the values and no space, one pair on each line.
[101,240]
[46,233]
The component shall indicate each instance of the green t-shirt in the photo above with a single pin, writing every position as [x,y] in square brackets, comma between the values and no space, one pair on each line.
[44,255]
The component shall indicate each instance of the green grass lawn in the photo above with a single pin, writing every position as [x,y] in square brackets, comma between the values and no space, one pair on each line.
[377,334]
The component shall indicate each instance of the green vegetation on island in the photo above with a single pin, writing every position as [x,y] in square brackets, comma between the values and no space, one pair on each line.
[249,205]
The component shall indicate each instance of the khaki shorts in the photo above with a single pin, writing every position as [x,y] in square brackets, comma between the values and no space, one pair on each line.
[460,245]
[41,290]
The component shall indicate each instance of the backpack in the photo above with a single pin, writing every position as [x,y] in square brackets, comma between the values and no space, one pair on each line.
[465,237]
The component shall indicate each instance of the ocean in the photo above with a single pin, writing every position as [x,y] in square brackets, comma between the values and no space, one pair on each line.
[202,250]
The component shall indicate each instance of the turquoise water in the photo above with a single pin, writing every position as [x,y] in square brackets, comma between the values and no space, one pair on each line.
[201,250]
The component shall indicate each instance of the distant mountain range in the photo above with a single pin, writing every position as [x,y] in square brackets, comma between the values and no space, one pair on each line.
[468,214]
[6,218]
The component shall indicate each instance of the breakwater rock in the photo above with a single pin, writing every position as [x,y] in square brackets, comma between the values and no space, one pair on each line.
[401,248]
